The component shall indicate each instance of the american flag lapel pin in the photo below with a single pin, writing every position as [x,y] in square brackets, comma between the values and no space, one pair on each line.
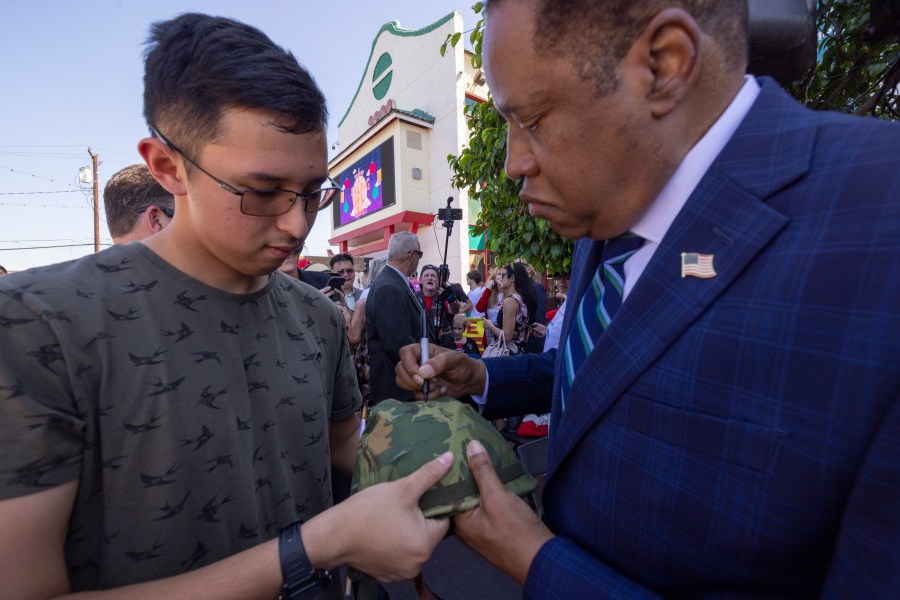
[694,264]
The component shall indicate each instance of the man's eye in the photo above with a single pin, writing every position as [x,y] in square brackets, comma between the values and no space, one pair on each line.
[268,194]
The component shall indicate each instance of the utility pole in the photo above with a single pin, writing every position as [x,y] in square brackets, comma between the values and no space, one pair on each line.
[96,159]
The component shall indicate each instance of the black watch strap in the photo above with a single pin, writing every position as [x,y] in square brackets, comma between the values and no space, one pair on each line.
[300,581]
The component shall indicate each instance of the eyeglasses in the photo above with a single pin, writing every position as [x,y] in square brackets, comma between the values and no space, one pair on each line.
[345,271]
[504,274]
[268,203]
[169,212]
[418,253]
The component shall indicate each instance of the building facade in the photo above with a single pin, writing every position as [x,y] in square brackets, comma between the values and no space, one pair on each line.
[407,116]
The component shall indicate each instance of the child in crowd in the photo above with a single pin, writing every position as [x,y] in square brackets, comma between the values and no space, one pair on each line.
[464,344]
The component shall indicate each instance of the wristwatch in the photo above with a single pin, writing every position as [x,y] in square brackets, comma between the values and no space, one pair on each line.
[300,580]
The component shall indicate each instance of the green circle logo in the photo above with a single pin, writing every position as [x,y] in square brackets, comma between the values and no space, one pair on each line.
[382,76]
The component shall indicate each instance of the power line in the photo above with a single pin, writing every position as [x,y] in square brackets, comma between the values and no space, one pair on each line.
[134,155]
[58,146]
[33,175]
[44,205]
[45,247]
[28,193]
[42,154]
[68,239]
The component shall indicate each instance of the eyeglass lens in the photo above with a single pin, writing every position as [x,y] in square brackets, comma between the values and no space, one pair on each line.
[270,203]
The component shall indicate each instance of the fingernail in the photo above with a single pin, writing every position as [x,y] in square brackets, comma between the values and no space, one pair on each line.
[446,458]
[474,448]
[426,371]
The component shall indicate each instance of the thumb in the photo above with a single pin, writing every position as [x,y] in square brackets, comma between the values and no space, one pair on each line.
[429,474]
[437,364]
[482,468]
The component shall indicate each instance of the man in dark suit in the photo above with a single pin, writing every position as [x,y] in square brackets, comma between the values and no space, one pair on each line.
[735,429]
[393,317]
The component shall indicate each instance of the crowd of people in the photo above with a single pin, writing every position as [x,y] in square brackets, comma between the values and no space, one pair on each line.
[721,380]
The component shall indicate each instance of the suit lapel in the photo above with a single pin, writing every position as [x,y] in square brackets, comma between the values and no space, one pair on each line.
[724,217]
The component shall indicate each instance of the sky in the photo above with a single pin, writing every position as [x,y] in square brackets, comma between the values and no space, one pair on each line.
[72,80]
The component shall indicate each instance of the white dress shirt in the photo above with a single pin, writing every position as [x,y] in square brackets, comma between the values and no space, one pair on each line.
[661,214]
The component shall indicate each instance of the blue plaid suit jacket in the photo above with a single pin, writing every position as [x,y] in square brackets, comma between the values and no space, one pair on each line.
[739,436]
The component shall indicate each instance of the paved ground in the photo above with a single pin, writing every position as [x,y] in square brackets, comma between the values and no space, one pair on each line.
[456,573]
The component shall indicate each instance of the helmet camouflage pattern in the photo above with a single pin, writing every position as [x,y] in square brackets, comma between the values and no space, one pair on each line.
[402,436]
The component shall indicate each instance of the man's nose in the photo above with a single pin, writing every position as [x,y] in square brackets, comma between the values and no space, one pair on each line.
[296,221]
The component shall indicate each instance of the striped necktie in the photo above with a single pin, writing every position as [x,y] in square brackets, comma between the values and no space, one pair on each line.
[599,303]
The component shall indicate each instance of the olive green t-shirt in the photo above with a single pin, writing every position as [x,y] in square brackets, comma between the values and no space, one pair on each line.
[195,420]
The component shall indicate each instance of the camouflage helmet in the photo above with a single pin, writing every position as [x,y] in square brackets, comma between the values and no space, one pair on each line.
[402,436]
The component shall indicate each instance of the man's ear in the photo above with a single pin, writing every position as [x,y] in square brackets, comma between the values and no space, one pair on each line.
[672,44]
[163,165]
[151,219]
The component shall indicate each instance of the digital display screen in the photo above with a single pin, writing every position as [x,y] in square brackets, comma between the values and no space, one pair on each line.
[367,185]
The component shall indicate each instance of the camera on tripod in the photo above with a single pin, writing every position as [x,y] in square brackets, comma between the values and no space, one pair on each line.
[449,214]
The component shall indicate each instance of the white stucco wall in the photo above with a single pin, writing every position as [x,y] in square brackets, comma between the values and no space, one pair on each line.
[420,79]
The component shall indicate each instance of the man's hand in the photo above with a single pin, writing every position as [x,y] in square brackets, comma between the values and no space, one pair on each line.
[451,373]
[381,530]
[503,529]
[330,291]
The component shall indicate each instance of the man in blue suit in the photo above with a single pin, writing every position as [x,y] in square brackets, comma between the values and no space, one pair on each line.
[735,431]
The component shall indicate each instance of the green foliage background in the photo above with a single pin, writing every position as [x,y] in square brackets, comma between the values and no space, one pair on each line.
[855,73]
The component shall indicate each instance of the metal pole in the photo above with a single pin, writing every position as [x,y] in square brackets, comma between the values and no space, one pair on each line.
[96,158]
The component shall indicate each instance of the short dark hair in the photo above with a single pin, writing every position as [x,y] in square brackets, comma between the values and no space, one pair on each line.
[197,66]
[597,34]
[126,193]
[475,276]
[339,258]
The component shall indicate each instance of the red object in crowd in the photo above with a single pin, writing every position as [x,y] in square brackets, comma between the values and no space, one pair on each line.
[303,263]
[481,305]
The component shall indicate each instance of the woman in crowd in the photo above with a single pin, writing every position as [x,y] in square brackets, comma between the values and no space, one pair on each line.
[517,310]
[490,298]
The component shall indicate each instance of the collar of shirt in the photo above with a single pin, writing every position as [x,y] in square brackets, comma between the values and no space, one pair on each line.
[661,214]
[400,273]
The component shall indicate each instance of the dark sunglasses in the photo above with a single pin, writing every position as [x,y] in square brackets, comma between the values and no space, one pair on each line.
[169,212]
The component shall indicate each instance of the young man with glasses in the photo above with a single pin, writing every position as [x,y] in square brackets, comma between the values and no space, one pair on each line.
[136,205]
[170,410]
